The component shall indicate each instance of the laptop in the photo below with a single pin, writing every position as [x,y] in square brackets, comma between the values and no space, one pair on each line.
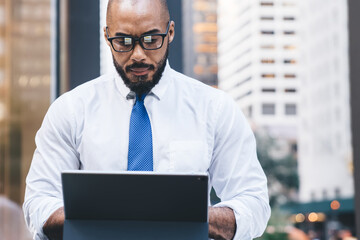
[135,205]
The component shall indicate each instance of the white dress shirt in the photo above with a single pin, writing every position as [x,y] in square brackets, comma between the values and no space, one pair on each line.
[195,128]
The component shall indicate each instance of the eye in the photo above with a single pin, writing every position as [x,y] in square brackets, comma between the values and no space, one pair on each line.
[151,39]
[123,41]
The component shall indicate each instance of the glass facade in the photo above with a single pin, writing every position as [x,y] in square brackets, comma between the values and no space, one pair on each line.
[25,48]
[200,40]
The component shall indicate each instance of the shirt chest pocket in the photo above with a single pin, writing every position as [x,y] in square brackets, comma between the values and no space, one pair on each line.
[188,156]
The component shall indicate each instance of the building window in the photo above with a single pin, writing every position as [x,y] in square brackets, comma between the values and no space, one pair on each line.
[268,90]
[268,61]
[289,32]
[268,75]
[268,46]
[290,90]
[268,109]
[289,75]
[289,18]
[290,109]
[290,61]
[267,32]
[267,18]
[267,4]
[289,47]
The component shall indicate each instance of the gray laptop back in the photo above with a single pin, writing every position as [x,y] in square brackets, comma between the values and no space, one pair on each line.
[135,205]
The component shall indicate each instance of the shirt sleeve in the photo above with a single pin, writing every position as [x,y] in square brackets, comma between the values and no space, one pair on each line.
[55,152]
[236,174]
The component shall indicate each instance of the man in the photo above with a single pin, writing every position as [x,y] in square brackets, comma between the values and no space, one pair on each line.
[148,117]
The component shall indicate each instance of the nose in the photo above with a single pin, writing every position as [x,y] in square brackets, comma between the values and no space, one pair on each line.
[138,53]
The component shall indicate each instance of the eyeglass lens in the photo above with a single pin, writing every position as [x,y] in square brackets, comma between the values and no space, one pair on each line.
[149,42]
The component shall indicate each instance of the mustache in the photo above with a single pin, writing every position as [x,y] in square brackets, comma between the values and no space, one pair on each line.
[139,65]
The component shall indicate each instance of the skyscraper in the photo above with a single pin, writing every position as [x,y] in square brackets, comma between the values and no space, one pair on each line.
[25,69]
[200,40]
[25,49]
[258,61]
[325,152]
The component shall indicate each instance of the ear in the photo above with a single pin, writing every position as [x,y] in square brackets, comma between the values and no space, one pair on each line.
[105,36]
[171,31]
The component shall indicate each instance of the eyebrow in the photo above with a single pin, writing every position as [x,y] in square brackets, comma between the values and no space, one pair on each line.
[145,33]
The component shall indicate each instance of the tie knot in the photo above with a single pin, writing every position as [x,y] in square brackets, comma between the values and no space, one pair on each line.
[141,97]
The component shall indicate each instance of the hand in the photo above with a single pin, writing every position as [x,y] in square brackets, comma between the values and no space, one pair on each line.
[222,223]
[53,227]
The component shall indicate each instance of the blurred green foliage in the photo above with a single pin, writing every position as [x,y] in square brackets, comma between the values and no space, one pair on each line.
[280,169]
[275,236]
[278,222]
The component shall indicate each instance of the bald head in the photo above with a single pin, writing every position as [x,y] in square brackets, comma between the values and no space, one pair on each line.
[163,7]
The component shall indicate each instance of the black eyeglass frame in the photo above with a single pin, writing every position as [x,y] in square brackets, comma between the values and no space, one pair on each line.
[137,39]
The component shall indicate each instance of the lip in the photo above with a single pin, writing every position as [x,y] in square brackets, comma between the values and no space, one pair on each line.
[140,71]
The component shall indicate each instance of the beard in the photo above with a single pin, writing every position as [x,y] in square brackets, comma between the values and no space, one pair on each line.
[142,85]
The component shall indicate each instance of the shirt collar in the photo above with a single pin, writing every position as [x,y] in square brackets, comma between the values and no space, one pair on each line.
[158,91]
[160,88]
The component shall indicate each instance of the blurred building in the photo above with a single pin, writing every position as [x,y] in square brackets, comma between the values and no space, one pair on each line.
[324,144]
[200,40]
[258,61]
[106,61]
[324,137]
[24,87]
[25,70]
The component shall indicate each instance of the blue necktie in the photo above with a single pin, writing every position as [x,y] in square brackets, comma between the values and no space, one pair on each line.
[140,156]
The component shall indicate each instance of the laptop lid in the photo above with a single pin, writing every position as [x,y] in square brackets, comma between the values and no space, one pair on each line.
[139,196]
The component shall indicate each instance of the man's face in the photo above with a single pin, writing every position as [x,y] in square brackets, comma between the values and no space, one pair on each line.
[140,69]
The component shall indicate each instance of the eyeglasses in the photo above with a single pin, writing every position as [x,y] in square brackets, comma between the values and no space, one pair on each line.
[146,41]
